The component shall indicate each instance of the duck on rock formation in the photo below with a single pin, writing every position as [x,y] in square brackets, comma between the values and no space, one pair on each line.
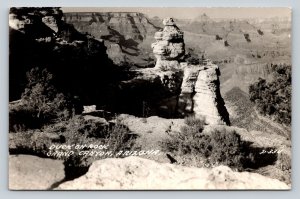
[200,89]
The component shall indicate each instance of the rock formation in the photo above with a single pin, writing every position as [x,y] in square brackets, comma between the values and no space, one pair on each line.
[27,172]
[208,101]
[200,93]
[134,173]
[200,89]
[169,46]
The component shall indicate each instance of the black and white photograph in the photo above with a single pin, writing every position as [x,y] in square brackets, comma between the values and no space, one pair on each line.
[150,98]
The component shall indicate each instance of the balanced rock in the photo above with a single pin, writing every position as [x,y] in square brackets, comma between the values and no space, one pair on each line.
[135,173]
[169,46]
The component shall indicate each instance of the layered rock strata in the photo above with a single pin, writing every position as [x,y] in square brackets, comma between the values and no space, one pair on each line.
[200,94]
[123,33]
[132,25]
[169,46]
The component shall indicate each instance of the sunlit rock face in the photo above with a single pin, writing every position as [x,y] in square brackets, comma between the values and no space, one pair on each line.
[51,22]
[200,94]
[135,173]
[20,18]
[169,46]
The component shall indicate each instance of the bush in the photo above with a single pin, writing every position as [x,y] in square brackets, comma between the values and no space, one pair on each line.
[274,98]
[226,148]
[184,140]
[216,147]
[284,162]
[78,131]
[193,60]
[75,131]
[41,103]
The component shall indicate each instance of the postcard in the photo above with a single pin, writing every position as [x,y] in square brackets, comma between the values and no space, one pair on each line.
[149,98]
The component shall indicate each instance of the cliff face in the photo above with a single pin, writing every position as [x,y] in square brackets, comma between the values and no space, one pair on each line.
[129,24]
[208,101]
[200,94]
[122,32]
[243,74]
[39,38]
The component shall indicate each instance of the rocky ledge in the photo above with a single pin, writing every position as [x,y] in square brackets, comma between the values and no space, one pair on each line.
[27,172]
[134,173]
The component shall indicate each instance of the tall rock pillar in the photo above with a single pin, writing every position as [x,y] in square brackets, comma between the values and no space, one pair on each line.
[200,94]
[169,46]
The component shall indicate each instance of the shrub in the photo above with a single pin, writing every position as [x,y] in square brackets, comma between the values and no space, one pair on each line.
[78,131]
[218,37]
[226,148]
[41,103]
[193,60]
[195,123]
[184,141]
[216,147]
[284,162]
[274,98]
[72,132]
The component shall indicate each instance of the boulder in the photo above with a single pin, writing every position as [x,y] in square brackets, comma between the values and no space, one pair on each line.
[135,173]
[27,172]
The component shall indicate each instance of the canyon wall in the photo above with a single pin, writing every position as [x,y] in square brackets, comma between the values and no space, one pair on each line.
[131,25]
[124,34]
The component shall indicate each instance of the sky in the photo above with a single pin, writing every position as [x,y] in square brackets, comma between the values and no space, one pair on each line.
[190,13]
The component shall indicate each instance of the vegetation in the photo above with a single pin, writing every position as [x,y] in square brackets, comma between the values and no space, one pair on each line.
[247,37]
[218,37]
[41,103]
[82,132]
[193,60]
[77,131]
[274,98]
[218,147]
[44,117]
